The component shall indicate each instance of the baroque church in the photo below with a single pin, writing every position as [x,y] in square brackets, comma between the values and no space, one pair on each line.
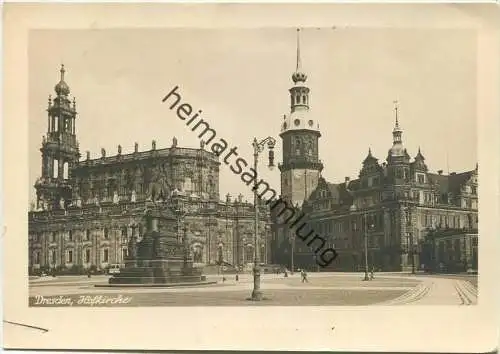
[88,210]
[396,215]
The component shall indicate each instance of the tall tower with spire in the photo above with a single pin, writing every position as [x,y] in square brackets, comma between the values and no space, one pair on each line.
[300,133]
[60,151]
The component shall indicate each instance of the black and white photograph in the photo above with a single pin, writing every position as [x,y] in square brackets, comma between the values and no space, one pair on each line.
[267,167]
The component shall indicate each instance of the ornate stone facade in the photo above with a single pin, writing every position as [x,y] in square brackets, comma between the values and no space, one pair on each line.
[399,206]
[87,211]
[402,209]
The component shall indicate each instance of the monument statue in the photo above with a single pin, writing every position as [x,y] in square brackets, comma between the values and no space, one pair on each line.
[103,152]
[133,196]
[136,147]
[119,149]
[174,142]
[62,203]
[158,188]
[153,145]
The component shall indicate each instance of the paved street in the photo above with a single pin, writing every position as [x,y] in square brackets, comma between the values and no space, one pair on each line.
[328,289]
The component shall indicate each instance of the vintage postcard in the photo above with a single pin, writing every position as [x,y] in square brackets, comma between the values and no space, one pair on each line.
[236,177]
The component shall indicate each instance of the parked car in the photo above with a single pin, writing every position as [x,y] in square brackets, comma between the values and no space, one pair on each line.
[114,269]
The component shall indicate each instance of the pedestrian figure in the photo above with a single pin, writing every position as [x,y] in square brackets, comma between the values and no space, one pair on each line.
[89,273]
[286,274]
[303,274]
[237,277]
[371,273]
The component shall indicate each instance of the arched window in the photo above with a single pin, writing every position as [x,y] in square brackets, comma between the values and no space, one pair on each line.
[55,168]
[65,170]
[56,123]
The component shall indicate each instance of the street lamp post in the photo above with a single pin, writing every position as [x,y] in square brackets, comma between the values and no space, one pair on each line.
[258,147]
[465,253]
[366,249]
[243,251]
[292,266]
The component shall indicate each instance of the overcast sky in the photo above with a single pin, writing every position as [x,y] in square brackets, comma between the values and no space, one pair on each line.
[240,80]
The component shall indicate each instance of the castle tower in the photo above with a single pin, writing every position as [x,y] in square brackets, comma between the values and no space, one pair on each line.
[60,152]
[301,166]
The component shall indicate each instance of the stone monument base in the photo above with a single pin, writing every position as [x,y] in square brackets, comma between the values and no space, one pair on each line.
[157,271]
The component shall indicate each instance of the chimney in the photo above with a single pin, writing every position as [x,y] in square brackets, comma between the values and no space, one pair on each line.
[440,172]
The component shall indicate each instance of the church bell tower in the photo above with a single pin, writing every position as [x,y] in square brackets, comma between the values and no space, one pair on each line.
[60,151]
[300,133]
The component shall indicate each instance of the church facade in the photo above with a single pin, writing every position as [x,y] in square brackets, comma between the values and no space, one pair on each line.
[87,209]
[396,215]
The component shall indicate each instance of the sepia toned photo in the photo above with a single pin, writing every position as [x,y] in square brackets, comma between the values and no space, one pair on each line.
[307,174]
[158,226]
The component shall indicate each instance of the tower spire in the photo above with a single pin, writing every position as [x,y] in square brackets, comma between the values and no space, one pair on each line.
[396,108]
[298,76]
[298,68]
[62,72]
[397,132]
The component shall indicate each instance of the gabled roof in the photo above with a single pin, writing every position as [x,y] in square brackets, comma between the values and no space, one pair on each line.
[338,192]
[451,183]
[456,181]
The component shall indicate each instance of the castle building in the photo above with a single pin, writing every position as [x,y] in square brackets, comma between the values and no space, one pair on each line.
[404,216]
[87,210]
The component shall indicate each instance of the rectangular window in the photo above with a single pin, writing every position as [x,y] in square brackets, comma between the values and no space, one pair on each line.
[105,256]
[53,238]
[69,257]
[124,253]
[421,178]
[106,234]
[70,235]
[53,257]
[87,256]
[87,235]
[37,257]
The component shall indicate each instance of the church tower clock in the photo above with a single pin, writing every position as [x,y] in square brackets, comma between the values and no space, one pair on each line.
[300,133]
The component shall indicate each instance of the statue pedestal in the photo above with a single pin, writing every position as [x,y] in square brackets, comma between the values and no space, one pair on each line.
[161,258]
